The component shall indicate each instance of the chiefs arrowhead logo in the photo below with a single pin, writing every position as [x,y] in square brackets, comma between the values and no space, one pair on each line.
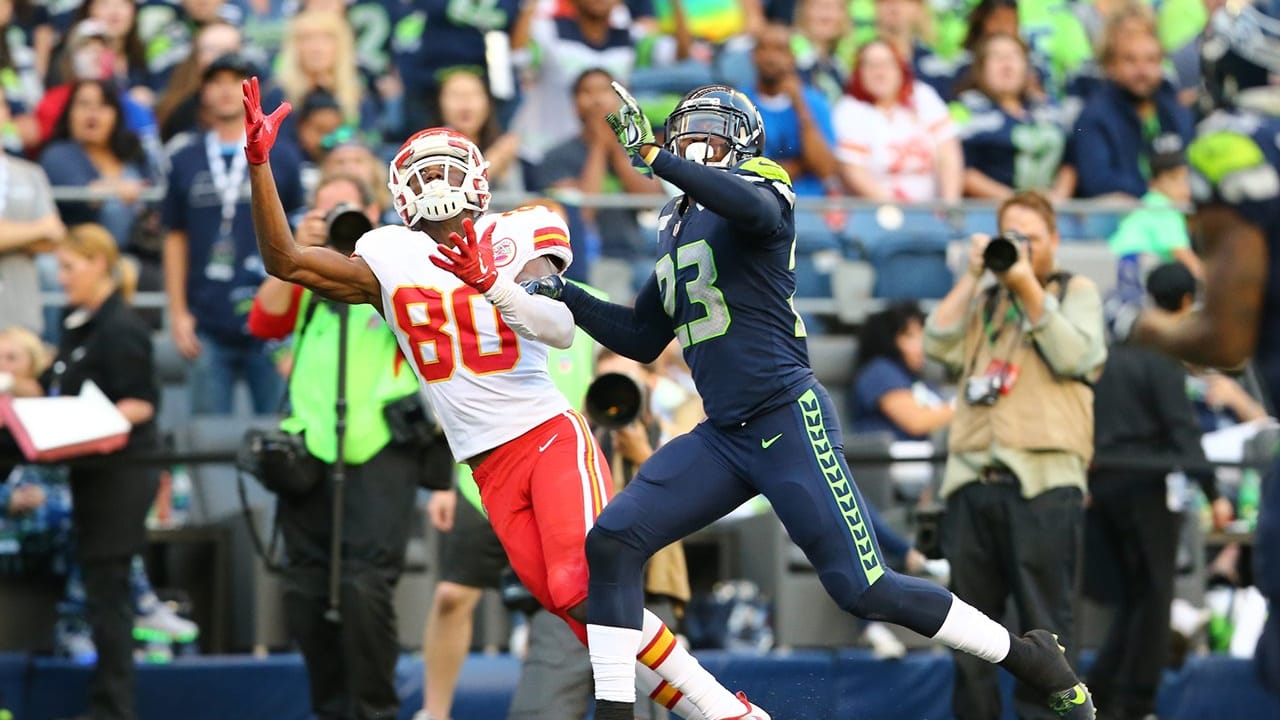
[504,251]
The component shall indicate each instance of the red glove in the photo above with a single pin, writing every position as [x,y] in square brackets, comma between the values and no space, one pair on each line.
[470,259]
[260,130]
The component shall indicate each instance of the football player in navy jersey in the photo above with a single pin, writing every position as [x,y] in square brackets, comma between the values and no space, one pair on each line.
[723,287]
[1235,162]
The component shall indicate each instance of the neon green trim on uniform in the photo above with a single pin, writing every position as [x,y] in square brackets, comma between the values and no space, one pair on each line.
[1219,154]
[960,113]
[467,487]
[766,168]
[841,489]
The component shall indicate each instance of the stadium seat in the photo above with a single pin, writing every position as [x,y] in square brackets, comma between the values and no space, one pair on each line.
[813,274]
[852,283]
[911,268]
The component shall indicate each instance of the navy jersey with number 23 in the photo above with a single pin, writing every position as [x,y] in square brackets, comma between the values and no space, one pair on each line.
[727,291]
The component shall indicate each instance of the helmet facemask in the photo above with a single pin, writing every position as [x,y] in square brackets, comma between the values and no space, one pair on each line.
[417,198]
[700,133]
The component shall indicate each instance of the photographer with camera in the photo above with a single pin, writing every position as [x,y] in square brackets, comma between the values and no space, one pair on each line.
[1026,348]
[345,466]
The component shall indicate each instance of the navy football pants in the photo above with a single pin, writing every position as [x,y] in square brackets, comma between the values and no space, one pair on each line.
[793,456]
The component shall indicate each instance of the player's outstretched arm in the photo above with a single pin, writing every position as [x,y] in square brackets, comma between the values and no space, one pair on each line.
[323,270]
[742,202]
[640,333]
[749,205]
[532,316]
[1224,330]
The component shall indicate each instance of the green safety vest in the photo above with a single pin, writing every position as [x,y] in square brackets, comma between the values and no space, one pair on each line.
[376,375]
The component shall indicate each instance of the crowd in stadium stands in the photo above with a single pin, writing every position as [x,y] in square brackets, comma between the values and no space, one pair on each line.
[952,99]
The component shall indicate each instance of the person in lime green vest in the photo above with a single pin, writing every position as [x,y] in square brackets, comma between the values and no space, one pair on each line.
[351,663]
[471,558]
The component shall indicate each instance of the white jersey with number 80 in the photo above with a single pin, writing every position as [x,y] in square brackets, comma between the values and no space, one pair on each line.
[486,384]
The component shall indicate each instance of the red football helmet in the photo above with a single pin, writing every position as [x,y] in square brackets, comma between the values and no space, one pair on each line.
[438,200]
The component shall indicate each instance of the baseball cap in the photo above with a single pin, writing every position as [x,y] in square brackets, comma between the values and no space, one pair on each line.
[231,62]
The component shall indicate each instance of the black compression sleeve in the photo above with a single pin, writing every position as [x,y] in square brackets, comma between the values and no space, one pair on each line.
[740,201]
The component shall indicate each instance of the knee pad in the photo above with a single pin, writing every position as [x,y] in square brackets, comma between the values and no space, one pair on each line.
[608,555]
[872,602]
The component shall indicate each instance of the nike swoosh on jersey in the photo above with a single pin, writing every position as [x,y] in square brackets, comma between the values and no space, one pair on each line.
[764,444]
[548,443]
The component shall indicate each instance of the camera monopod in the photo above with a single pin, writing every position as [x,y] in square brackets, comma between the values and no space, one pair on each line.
[334,613]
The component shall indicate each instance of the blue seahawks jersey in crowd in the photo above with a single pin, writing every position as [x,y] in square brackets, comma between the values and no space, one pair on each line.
[1235,161]
[1022,153]
[729,298]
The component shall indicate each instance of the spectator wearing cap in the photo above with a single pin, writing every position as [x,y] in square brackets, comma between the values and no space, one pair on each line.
[1159,227]
[319,117]
[1122,118]
[92,148]
[211,263]
[1141,412]
[88,56]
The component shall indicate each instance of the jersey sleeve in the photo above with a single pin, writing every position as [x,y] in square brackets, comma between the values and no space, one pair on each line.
[527,233]
[1229,167]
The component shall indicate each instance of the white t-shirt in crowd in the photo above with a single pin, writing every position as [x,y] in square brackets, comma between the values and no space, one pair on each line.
[897,147]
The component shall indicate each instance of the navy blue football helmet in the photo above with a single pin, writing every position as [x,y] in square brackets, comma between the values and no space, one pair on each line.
[1240,54]
[712,118]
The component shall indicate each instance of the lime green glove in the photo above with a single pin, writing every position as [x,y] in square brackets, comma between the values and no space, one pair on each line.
[632,128]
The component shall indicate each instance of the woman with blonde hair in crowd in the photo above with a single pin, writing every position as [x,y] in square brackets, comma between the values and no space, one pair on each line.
[105,342]
[319,54]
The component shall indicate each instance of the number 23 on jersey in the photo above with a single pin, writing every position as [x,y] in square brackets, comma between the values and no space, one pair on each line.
[443,326]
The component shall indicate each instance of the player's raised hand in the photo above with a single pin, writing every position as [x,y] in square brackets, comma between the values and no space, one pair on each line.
[260,130]
[632,128]
[471,260]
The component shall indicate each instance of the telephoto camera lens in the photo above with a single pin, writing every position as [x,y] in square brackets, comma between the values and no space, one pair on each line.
[1001,252]
[347,223]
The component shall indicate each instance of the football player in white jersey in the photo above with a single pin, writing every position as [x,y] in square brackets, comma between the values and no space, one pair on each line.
[448,284]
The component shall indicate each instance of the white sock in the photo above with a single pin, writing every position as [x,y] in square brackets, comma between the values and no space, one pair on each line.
[968,629]
[660,651]
[613,661]
[651,685]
